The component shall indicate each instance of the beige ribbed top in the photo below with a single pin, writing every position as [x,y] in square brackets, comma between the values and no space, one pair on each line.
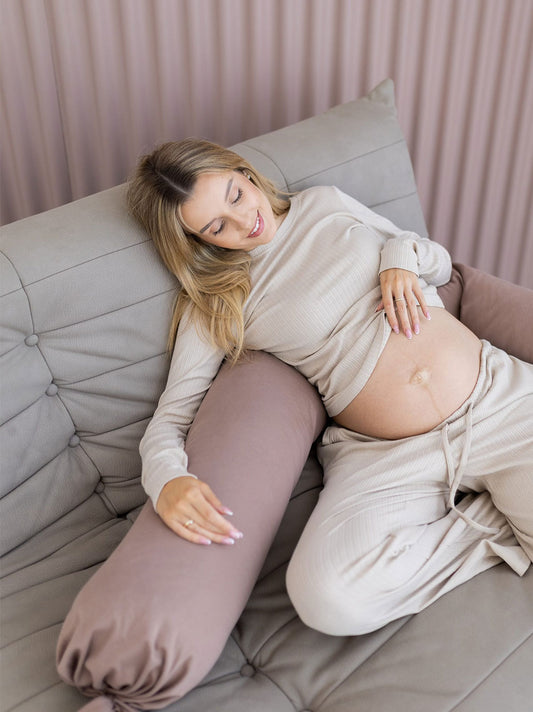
[315,288]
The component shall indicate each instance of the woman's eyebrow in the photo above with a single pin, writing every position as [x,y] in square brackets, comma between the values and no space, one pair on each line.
[230,183]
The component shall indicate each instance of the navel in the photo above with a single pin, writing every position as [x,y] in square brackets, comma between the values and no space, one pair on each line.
[420,377]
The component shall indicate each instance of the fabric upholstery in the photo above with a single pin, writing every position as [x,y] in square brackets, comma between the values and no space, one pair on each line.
[249,442]
[85,305]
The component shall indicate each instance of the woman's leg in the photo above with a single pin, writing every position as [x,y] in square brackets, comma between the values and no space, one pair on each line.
[505,470]
[385,540]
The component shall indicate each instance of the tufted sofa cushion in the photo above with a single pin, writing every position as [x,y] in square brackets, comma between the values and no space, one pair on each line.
[85,307]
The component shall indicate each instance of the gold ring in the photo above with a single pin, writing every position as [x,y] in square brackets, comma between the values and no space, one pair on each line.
[189,523]
[400,299]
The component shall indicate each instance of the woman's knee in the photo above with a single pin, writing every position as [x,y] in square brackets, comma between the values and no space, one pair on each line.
[357,595]
[326,601]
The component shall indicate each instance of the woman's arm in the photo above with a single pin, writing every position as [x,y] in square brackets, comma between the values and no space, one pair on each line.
[404,258]
[177,495]
[404,249]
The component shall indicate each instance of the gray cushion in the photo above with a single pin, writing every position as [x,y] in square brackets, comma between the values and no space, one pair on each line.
[358,146]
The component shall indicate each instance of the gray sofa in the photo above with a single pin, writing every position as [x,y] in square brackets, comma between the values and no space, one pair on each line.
[85,307]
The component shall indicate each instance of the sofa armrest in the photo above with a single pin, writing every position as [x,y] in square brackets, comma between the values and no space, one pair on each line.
[492,308]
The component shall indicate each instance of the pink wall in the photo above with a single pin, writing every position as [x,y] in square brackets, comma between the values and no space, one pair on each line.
[87,85]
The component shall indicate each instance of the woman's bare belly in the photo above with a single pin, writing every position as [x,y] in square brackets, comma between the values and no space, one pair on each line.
[417,383]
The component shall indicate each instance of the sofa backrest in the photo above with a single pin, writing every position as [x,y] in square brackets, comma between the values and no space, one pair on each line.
[86,303]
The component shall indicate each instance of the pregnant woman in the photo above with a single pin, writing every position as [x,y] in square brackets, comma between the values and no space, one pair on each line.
[428,476]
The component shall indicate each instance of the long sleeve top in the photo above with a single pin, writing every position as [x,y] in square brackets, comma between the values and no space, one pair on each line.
[315,289]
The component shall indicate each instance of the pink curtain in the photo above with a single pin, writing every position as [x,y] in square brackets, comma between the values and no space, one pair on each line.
[88,85]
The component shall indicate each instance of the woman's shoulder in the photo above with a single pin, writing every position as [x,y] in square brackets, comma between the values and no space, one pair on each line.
[329,196]
[330,199]
[327,192]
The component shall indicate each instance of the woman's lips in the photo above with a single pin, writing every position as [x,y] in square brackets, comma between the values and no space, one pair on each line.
[258,227]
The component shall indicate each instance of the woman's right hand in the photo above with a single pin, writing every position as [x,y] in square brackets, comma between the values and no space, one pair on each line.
[190,508]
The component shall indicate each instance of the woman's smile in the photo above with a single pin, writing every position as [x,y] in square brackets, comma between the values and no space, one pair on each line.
[258,227]
[226,209]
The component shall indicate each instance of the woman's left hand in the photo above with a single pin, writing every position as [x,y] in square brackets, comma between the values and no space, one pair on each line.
[401,293]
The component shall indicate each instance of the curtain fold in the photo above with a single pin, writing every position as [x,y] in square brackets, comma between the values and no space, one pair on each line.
[89,85]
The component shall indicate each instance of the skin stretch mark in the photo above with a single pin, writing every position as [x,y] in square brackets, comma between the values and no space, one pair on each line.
[422,377]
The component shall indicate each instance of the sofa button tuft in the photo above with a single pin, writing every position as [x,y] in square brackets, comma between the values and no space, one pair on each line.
[247,670]
[100,487]
[31,340]
[52,390]
[74,440]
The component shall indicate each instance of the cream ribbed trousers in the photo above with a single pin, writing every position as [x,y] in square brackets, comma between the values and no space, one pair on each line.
[386,538]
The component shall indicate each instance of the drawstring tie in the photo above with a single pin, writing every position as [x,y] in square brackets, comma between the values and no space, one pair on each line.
[455,475]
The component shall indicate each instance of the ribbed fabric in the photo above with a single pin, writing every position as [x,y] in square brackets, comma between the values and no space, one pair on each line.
[385,540]
[315,289]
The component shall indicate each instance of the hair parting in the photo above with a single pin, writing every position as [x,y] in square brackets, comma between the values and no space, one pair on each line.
[214,282]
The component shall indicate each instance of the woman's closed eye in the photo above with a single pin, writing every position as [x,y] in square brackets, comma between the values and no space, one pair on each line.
[233,202]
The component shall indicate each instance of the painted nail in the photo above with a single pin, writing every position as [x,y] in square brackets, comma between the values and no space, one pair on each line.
[428,316]
[227,540]
[417,329]
[396,329]
[408,333]
[236,534]
[205,541]
[227,511]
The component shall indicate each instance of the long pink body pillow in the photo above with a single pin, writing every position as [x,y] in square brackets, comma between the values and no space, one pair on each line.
[150,624]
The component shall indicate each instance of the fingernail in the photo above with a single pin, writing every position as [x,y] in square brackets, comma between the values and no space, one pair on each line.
[428,315]
[236,534]
[417,329]
[396,329]
[205,541]
[408,333]
[227,540]
[225,510]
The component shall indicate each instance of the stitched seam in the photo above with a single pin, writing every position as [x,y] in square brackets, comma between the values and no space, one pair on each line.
[111,311]
[274,633]
[262,153]
[83,380]
[32,632]
[374,652]
[393,200]
[32,697]
[10,350]
[480,683]
[13,291]
[101,528]
[113,370]
[114,430]
[85,262]
[31,317]
[260,671]
[349,160]
[22,286]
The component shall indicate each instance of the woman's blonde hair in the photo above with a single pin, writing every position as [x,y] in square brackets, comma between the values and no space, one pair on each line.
[214,281]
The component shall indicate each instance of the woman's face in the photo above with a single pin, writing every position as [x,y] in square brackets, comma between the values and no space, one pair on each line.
[226,209]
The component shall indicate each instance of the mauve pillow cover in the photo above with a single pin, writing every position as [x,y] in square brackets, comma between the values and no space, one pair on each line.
[492,308]
[150,624]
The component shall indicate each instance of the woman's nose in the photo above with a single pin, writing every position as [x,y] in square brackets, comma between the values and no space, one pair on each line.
[247,218]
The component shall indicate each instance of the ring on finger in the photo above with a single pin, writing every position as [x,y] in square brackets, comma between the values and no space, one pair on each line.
[189,523]
[400,299]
